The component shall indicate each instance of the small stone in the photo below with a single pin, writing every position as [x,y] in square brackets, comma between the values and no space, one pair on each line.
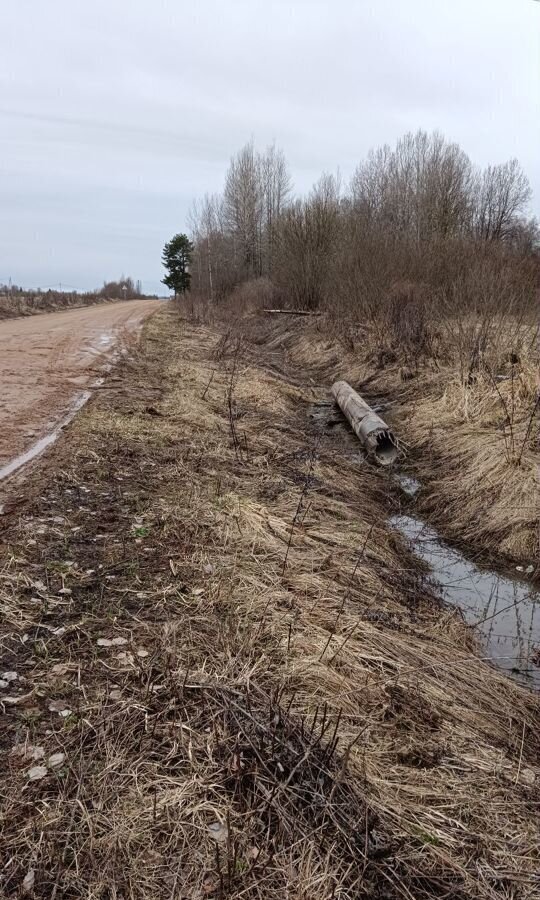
[9,676]
[36,773]
[115,695]
[119,641]
[142,654]
[58,706]
[28,881]
[3,684]
[59,669]
[55,760]
[104,642]
[218,832]
[27,752]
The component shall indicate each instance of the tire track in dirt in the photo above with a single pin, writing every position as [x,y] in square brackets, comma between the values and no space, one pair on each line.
[47,362]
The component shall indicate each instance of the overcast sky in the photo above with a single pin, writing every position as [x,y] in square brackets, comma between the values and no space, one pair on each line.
[115,114]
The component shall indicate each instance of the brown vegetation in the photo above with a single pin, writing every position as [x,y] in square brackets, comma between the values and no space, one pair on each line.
[427,272]
[230,676]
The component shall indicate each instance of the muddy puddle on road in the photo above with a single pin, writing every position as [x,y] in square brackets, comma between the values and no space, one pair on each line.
[504,612]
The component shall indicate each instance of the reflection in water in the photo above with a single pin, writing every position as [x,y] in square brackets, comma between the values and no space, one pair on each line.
[504,611]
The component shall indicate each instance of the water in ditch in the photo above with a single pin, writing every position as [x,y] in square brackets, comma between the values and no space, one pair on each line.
[504,611]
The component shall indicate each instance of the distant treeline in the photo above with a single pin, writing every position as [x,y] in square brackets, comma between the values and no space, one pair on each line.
[16,300]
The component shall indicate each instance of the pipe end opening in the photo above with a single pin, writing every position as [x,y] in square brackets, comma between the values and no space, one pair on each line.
[386,451]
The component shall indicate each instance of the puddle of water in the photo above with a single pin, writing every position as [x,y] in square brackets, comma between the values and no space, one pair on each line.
[37,449]
[408,484]
[504,611]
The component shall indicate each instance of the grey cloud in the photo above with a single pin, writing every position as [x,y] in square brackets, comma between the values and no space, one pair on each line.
[114,116]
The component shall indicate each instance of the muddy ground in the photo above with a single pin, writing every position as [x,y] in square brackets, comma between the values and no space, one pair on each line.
[46,361]
[225,675]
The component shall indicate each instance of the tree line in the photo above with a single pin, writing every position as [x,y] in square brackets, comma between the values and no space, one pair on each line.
[415,212]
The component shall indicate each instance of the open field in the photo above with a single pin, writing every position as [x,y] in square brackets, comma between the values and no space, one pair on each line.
[227,676]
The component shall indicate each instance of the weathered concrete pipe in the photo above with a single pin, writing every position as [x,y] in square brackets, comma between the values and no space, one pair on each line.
[374,434]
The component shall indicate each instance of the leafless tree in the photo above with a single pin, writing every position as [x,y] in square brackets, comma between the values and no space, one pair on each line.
[502,195]
[243,208]
[276,189]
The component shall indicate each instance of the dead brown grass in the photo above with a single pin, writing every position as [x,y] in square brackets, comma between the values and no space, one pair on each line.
[286,711]
[473,436]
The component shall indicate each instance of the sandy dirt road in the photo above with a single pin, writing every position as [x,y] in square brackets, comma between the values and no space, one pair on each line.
[48,362]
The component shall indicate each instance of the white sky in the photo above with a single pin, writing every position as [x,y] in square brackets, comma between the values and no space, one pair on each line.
[115,114]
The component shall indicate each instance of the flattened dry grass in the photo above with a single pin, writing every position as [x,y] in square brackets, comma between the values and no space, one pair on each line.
[285,711]
[474,441]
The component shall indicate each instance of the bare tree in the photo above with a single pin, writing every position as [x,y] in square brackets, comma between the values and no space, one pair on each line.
[243,205]
[307,243]
[502,195]
[276,188]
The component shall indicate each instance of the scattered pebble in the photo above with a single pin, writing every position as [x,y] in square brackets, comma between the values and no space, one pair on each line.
[59,706]
[142,654]
[59,669]
[28,881]
[36,773]
[9,676]
[27,752]
[55,760]
[112,642]
[218,831]
[115,695]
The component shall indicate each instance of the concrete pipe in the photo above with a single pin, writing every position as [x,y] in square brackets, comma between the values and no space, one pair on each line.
[374,434]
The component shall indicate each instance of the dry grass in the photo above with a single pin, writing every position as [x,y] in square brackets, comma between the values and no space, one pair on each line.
[473,441]
[287,712]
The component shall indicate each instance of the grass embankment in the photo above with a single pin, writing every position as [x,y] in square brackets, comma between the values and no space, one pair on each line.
[253,692]
[473,441]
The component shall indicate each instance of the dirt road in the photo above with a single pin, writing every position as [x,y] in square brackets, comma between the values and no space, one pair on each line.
[47,363]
